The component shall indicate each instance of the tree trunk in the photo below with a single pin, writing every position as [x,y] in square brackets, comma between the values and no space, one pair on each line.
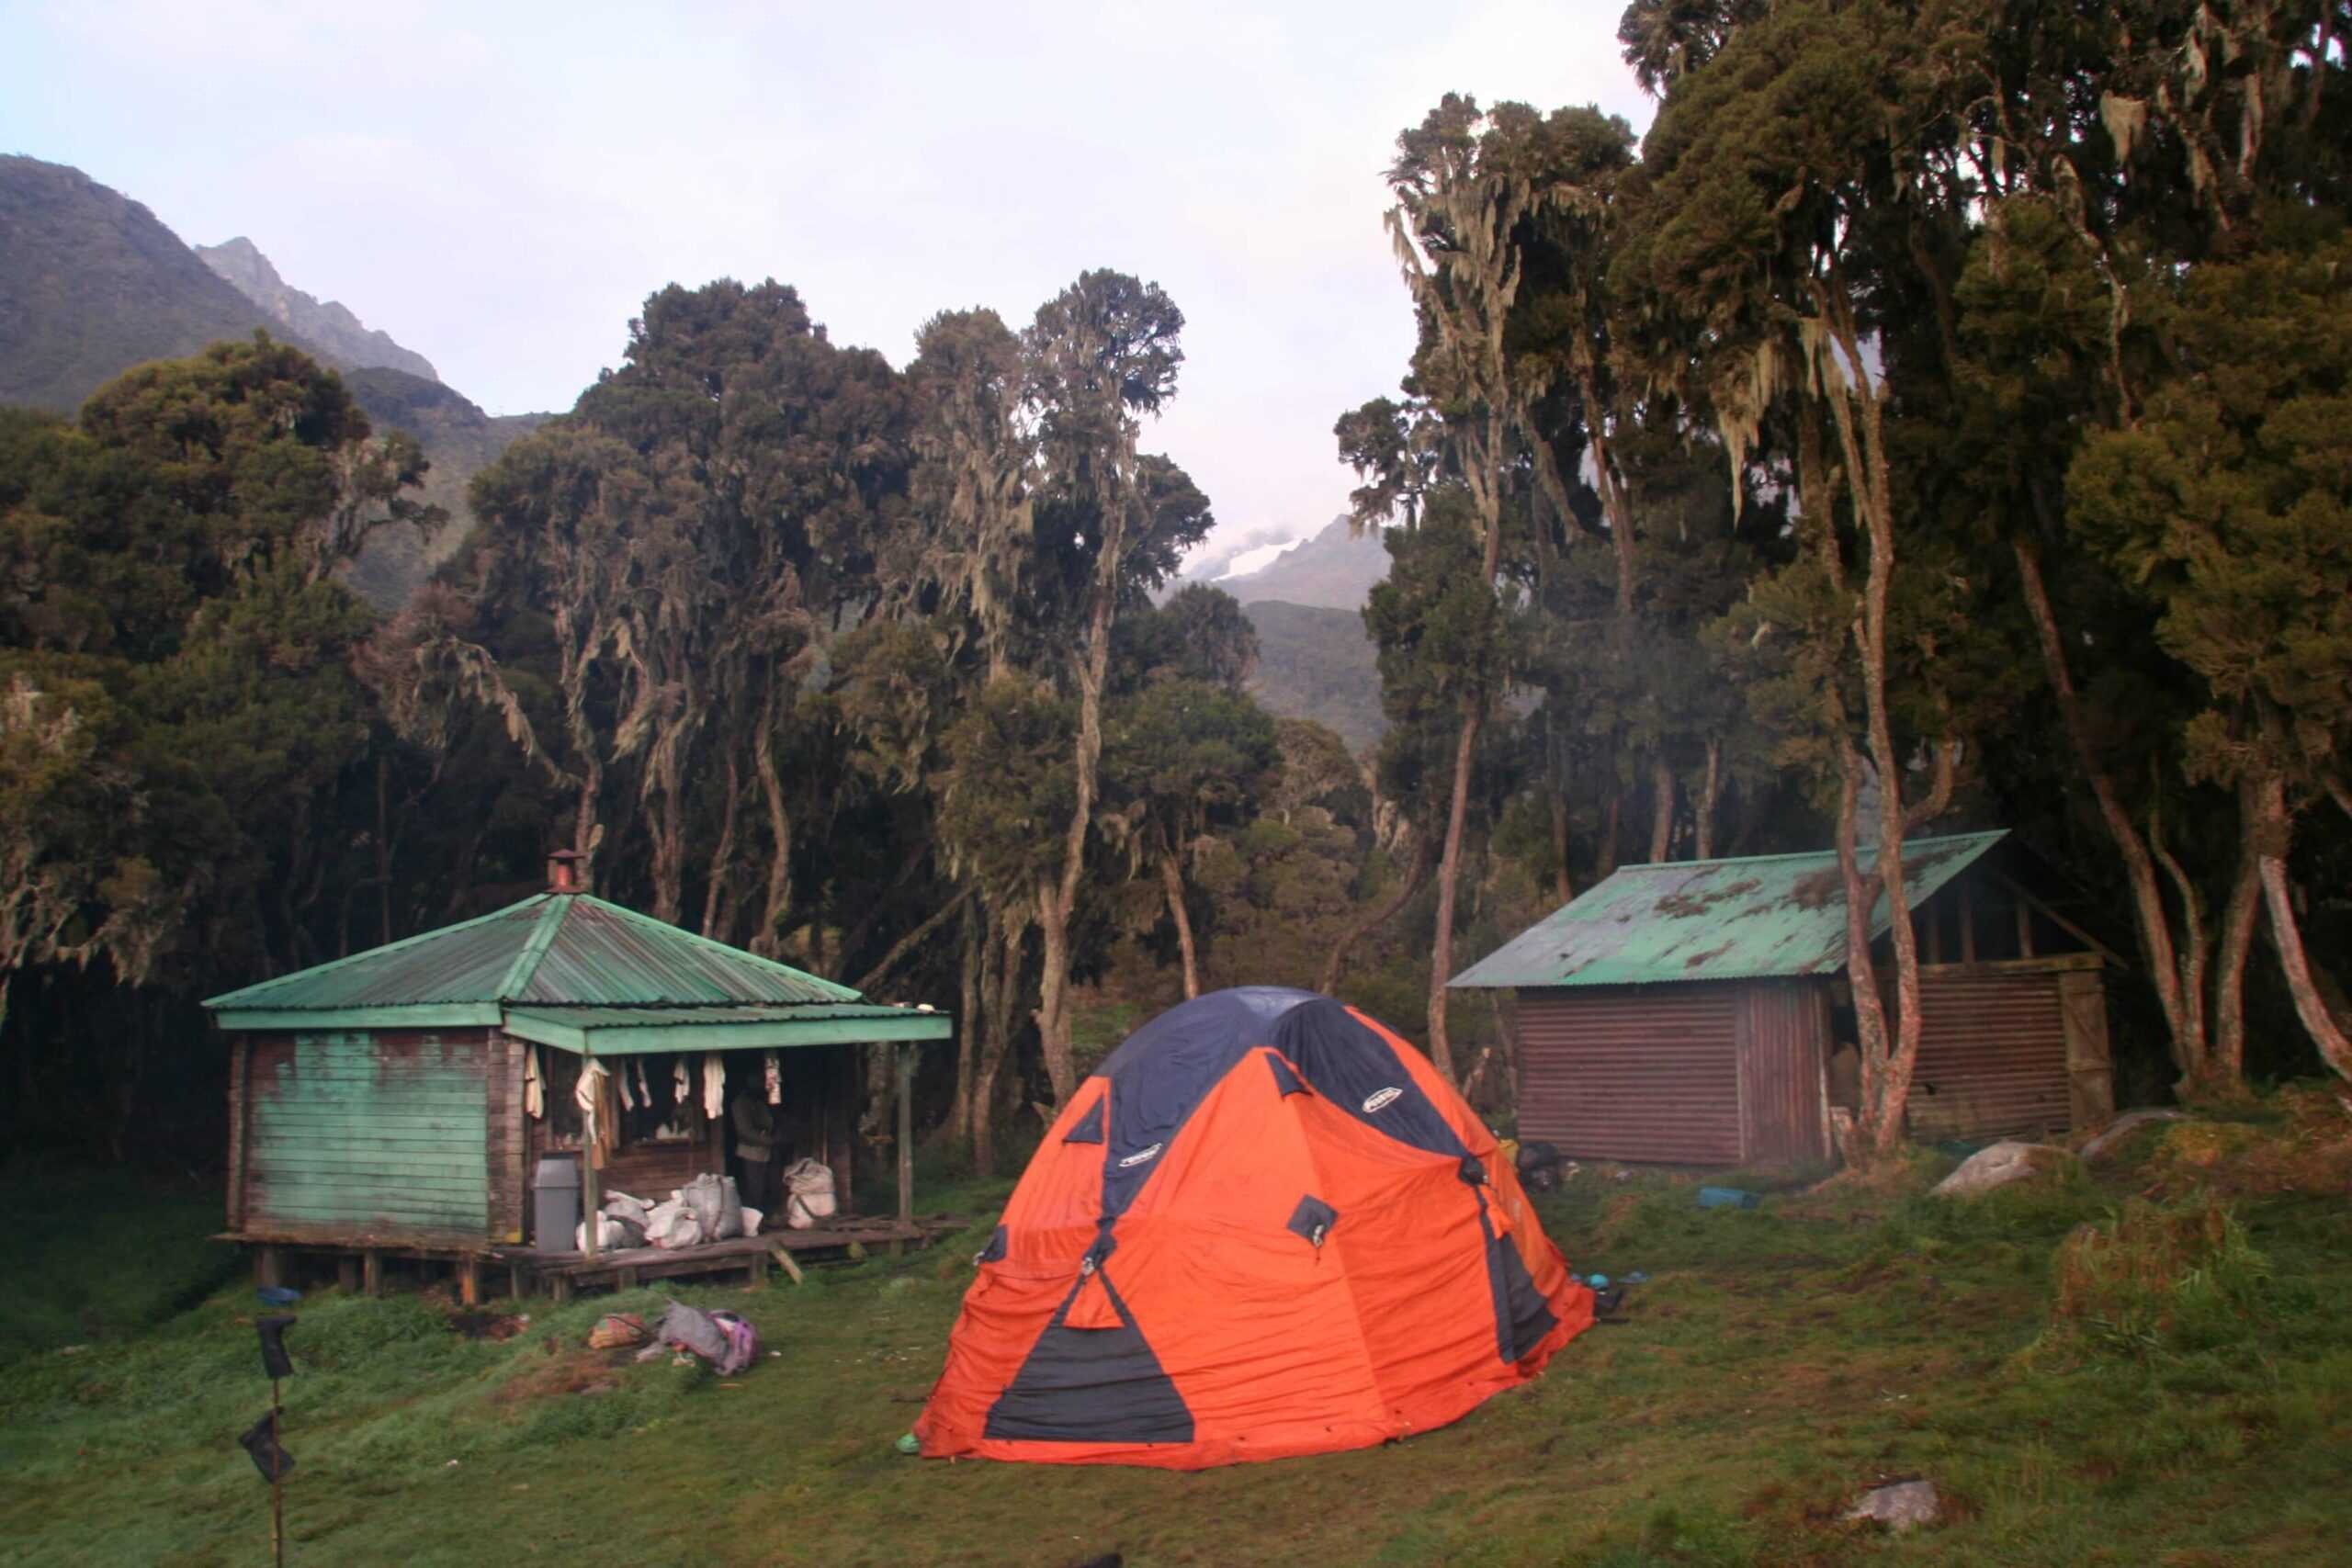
[1564,884]
[1703,809]
[2328,1032]
[908,942]
[722,858]
[1605,862]
[1873,495]
[2225,1064]
[769,939]
[968,1020]
[1415,876]
[1058,900]
[1661,808]
[1055,1040]
[1449,877]
[2183,1010]
[1171,878]
[996,1044]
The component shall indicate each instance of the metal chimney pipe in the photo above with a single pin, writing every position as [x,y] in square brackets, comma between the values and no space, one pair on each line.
[563,871]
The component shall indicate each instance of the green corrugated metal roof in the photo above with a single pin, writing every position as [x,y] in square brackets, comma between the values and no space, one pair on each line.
[623,1032]
[1713,920]
[565,949]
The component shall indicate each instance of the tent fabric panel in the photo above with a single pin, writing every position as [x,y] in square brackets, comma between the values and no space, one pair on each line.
[1092,1384]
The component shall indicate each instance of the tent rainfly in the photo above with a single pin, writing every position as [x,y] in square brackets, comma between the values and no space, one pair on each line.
[405,1095]
[1263,1227]
[1697,1012]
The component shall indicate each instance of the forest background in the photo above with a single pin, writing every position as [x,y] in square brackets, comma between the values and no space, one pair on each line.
[1938,420]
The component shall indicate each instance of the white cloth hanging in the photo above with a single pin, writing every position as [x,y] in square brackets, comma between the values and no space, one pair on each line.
[714,1085]
[644,1095]
[535,1087]
[776,1079]
[682,1085]
[583,1093]
[620,1082]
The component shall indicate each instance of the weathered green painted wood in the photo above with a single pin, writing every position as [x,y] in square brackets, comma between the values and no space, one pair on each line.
[400,1145]
[432,1016]
[414,1171]
[562,1030]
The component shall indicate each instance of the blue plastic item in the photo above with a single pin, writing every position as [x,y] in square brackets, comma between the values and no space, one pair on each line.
[1637,1277]
[1726,1198]
[277,1295]
[1598,1281]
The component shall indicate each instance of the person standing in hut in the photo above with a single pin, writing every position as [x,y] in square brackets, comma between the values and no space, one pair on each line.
[758,1148]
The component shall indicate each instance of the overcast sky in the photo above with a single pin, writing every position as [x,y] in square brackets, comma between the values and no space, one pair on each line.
[500,186]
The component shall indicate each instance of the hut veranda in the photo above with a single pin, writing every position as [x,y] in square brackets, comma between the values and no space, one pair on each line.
[1697,1012]
[412,1100]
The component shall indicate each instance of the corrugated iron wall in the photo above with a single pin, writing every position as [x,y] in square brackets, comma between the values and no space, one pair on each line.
[1783,1026]
[1992,1058]
[364,1133]
[1631,1071]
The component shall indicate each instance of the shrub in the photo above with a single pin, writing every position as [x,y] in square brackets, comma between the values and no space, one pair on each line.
[2156,1281]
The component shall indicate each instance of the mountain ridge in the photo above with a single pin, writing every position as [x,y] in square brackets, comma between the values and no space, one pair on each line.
[328,325]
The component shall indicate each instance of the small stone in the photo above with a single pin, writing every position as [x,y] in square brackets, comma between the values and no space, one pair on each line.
[1899,1507]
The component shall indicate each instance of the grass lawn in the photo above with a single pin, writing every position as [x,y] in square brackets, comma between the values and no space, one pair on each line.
[2117,1409]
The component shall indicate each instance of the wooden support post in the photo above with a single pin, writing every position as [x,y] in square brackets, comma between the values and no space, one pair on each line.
[589,1203]
[559,1287]
[470,1282]
[2025,929]
[269,1266]
[625,1279]
[346,1274]
[371,1271]
[1967,922]
[514,1281]
[905,1130]
[759,1269]
[783,1255]
[237,1135]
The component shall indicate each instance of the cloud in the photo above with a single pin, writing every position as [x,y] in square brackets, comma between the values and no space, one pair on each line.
[500,187]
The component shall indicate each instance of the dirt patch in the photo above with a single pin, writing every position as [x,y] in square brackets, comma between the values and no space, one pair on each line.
[567,1372]
[489,1325]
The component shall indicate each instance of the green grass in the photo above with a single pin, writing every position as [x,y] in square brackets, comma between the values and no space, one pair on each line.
[104,1253]
[1778,1363]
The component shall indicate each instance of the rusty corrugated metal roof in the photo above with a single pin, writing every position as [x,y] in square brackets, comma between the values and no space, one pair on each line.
[1713,920]
[564,949]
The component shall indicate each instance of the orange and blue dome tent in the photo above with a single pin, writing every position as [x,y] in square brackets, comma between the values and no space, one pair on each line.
[1265,1227]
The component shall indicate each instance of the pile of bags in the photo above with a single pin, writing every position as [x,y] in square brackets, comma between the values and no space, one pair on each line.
[708,1208]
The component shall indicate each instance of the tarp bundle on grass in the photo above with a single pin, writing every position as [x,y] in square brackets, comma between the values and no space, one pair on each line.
[1266,1228]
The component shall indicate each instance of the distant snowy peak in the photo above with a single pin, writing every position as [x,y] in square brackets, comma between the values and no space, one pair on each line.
[1334,568]
[1254,559]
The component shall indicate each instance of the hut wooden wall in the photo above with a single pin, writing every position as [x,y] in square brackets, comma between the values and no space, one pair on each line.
[1632,1072]
[1995,1056]
[351,1133]
[1783,1090]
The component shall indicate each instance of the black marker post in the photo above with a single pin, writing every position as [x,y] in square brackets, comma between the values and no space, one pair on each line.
[270,1459]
